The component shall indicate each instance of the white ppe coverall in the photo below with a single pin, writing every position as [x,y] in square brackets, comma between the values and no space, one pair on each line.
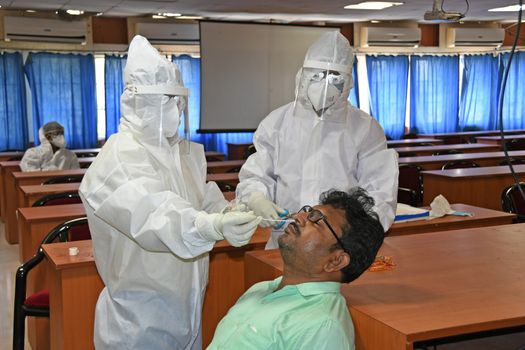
[301,154]
[142,195]
[42,158]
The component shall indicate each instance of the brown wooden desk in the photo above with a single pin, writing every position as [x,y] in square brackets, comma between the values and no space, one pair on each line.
[12,166]
[481,187]
[84,151]
[496,140]
[467,136]
[462,147]
[444,284]
[34,223]
[224,166]
[412,142]
[32,193]
[225,178]
[13,183]
[482,159]
[238,150]
[4,156]
[482,217]
[214,156]
[6,168]
[72,314]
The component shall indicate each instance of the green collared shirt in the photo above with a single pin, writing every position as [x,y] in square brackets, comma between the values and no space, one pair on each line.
[306,316]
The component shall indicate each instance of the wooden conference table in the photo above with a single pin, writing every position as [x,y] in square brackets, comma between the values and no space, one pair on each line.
[444,284]
[412,142]
[496,140]
[14,166]
[8,155]
[74,286]
[482,159]
[466,136]
[225,166]
[481,187]
[480,217]
[461,147]
[13,182]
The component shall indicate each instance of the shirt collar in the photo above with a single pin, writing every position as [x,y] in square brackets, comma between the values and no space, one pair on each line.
[308,288]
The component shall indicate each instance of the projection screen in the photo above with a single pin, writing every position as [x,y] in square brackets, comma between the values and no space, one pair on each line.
[248,70]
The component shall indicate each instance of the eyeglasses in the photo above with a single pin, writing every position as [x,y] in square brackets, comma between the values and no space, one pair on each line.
[315,216]
[332,77]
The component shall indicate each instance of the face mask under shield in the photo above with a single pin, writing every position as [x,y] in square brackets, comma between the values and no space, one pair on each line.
[172,99]
[322,84]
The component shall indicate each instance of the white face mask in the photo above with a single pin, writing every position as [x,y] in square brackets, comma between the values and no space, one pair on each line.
[316,94]
[59,141]
[170,118]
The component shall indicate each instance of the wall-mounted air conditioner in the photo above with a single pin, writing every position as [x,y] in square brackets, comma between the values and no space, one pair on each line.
[390,36]
[45,30]
[475,36]
[169,33]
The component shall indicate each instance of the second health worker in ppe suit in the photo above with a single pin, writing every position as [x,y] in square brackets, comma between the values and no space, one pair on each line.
[152,217]
[52,153]
[319,142]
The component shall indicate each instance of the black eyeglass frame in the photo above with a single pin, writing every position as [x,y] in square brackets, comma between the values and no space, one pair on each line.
[309,210]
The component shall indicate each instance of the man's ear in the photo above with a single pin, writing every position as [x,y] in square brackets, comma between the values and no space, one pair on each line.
[337,261]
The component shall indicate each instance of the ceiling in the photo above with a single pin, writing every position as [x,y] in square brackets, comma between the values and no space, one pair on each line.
[270,10]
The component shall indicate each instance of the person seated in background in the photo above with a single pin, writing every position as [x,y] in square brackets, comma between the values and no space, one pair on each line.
[326,245]
[52,153]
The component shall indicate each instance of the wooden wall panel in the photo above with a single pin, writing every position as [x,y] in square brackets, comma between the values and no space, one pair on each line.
[510,32]
[429,34]
[110,30]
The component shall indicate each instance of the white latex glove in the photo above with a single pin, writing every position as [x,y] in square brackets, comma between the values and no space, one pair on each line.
[264,208]
[236,227]
[232,206]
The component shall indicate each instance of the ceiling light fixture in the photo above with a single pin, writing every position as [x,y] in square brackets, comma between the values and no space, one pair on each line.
[375,21]
[510,8]
[372,5]
[169,14]
[75,12]
[30,11]
[190,17]
[158,16]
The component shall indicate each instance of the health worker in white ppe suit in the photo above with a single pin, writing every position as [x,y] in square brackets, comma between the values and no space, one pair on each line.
[152,217]
[51,154]
[319,142]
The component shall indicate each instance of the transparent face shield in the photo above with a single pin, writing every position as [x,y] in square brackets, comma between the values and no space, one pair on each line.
[173,100]
[321,85]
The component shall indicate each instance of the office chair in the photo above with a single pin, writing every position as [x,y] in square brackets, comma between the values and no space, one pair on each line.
[63,179]
[407,196]
[37,304]
[58,199]
[446,151]
[512,202]
[410,178]
[459,164]
[513,161]
[516,144]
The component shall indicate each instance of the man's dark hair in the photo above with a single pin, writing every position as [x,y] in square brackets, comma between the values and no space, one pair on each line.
[362,234]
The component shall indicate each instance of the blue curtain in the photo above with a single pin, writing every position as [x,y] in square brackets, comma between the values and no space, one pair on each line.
[353,98]
[514,94]
[114,86]
[434,93]
[13,114]
[191,73]
[388,82]
[63,90]
[479,94]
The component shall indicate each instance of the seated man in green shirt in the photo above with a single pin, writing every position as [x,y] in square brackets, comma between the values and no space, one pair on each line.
[328,244]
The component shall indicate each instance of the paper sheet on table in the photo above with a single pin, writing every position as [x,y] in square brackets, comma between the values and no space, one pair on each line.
[405,212]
